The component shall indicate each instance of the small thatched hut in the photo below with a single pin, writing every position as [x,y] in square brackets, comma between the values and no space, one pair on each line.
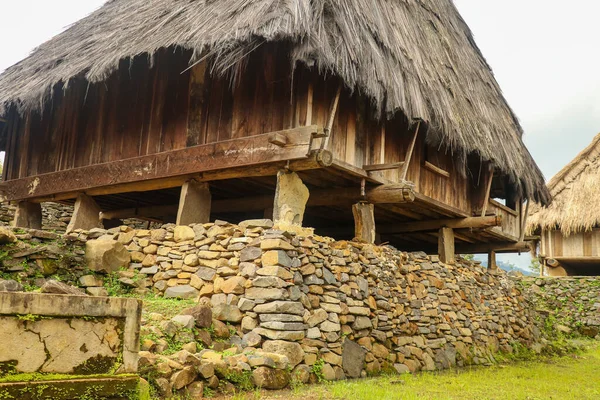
[171,110]
[569,228]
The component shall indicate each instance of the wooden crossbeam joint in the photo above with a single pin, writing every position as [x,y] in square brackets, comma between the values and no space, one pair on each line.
[278,139]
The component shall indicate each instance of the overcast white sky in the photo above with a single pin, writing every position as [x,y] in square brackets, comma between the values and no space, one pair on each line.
[544,53]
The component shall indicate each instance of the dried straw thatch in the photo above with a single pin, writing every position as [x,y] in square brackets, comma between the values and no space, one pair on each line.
[417,56]
[575,191]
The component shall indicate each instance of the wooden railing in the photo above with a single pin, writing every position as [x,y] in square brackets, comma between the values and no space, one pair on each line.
[511,221]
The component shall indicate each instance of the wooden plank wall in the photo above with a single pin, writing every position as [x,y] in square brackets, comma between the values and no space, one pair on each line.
[137,111]
[583,244]
[141,110]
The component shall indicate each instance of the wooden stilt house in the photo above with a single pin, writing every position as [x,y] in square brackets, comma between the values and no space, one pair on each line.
[569,228]
[380,120]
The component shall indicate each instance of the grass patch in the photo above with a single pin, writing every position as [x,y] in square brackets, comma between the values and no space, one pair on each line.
[568,377]
[167,307]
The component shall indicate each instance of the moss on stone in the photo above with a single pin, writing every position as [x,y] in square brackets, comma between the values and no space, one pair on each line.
[96,365]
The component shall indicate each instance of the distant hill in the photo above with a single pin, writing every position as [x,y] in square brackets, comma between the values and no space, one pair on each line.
[507,266]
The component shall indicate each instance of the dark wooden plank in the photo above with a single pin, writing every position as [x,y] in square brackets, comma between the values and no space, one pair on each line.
[25,152]
[587,243]
[176,103]
[197,105]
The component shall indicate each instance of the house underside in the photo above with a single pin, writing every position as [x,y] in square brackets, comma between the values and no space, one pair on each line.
[156,143]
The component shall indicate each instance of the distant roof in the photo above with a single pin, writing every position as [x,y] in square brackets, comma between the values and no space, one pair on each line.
[414,56]
[576,195]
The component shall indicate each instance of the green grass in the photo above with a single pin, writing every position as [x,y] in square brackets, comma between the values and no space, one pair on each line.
[168,307]
[571,377]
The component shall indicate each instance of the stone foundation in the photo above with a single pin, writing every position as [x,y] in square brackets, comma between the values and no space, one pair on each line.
[313,299]
[275,305]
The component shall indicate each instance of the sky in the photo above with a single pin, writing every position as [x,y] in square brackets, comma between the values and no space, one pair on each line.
[544,54]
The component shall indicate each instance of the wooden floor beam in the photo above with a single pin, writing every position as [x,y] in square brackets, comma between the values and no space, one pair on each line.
[384,194]
[214,157]
[142,212]
[433,225]
[498,247]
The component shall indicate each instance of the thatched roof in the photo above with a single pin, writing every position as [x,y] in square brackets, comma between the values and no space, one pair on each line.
[576,193]
[414,56]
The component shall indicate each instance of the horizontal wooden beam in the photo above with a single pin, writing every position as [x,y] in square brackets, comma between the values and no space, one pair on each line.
[142,212]
[434,225]
[372,177]
[498,247]
[383,194]
[575,260]
[214,157]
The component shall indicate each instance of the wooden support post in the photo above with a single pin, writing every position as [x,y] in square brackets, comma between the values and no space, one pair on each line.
[194,203]
[86,214]
[409,153]
[28,215]
[364,222]
[446,245]
[291,196]
[492,261]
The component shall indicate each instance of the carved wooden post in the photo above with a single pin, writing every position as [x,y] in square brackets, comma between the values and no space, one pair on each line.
[28,215]
[291,197]
[364,222]
[492,261]
[446,245]
[194,203]
[86,214]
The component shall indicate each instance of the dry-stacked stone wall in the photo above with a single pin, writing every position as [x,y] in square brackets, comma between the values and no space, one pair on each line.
[272,306]
[56,217]
[572,303]
[350,308]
